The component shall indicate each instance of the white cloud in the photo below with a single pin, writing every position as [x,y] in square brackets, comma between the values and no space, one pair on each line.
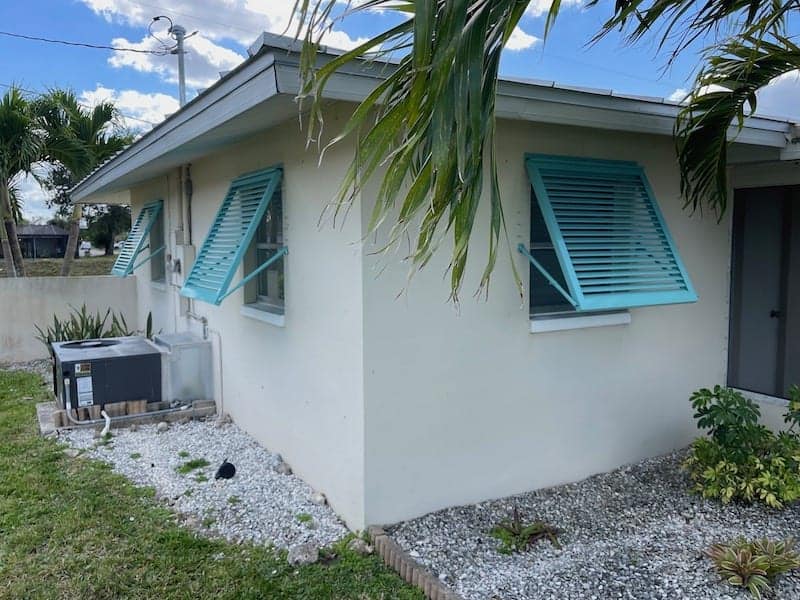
[238,21]
[140,110]
[539,8]
[679,95]
[520,40]
[779,97]
[34,199]
[204,60]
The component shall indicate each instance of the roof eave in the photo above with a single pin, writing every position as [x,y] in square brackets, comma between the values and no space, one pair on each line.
[272,69]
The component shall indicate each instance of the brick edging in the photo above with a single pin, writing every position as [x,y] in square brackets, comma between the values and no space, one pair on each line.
[414,573]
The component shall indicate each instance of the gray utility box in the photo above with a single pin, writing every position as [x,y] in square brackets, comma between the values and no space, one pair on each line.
[188,367]
[98,372]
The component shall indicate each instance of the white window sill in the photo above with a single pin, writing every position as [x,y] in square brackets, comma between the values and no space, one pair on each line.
[566,323]
[264,316]
[160,285]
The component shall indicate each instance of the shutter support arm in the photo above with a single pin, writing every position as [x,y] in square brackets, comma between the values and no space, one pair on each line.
[279,254]
[550,279]
[149,257]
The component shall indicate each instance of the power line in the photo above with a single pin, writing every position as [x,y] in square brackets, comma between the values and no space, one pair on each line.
[162,52]
[35,93]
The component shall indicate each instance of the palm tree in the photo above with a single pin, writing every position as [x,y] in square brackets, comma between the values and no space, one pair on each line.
[97,132]
[28,136]
[429,126]
[21,145]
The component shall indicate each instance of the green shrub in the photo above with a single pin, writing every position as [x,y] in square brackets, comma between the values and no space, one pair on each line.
[516,536]
[741,459]
[81,324]
[753,565]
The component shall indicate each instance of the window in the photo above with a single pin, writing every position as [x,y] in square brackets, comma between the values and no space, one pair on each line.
[598,240]
[232,236]
[266,291]
[134,244]
[158,264]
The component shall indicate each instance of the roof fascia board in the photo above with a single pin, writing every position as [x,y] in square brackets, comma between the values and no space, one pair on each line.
[242,90]
[547,103]
[274,70]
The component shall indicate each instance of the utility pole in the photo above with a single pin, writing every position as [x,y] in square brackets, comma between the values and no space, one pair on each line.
[179,33]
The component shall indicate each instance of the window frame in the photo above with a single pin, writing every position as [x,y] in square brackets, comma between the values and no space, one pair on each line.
[252,298]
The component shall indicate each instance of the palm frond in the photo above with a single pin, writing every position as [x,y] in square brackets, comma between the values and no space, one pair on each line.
[428,127]
[681,22]
[724,93]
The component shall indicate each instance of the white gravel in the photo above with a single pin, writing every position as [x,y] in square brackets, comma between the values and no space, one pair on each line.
[257,504]
[636,532]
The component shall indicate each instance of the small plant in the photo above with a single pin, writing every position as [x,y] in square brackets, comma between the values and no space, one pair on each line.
[741,459]
[515,536]
[234,500]
[188,493]
[208,522]
[304,518]
[81,324]
[183,454]
[200,478]
[191,465]
[136,456]
[753,565]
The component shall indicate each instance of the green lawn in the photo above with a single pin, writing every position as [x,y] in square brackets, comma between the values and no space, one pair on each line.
[71,528]
[51,267]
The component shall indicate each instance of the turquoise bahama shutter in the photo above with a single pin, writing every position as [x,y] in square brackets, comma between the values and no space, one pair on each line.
[230,236]
[135,242]
[608,234]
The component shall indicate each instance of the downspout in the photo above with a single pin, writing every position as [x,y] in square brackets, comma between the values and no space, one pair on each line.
[188,190]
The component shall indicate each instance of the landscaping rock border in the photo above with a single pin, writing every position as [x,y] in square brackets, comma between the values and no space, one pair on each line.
[409,569]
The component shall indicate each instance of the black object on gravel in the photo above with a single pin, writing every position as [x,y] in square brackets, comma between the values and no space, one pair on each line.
[226,470]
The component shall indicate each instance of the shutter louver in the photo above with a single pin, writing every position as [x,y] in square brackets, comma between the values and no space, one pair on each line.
[608,233]
[230,235]
[135,242]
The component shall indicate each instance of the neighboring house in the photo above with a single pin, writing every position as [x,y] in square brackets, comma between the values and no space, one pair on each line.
[397,406]
[41,241]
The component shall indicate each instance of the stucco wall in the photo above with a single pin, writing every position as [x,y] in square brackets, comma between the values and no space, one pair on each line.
[467,405]
[297,389]
[29,301]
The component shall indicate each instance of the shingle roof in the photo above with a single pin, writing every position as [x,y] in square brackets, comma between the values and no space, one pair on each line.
[41,231]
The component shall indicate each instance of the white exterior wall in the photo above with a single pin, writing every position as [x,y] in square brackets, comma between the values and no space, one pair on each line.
[465,406]
[297,389]
[29,301]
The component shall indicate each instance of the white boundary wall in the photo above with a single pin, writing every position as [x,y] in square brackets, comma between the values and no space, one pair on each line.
[29,301]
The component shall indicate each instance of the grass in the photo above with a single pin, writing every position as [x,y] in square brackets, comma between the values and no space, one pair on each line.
[304,518]
[191,465]
[51,267]
[72,528]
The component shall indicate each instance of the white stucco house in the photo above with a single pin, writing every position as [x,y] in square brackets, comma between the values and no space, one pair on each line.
[397,406]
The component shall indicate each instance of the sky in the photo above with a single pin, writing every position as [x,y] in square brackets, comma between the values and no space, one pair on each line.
[144,86]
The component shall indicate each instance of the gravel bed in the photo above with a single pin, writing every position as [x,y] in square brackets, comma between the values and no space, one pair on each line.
[258,504]
[636,532]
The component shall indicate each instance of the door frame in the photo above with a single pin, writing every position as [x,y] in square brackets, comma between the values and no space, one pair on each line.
[789,192]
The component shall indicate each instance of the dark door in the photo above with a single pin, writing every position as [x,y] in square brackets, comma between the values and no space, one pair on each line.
[763,355]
